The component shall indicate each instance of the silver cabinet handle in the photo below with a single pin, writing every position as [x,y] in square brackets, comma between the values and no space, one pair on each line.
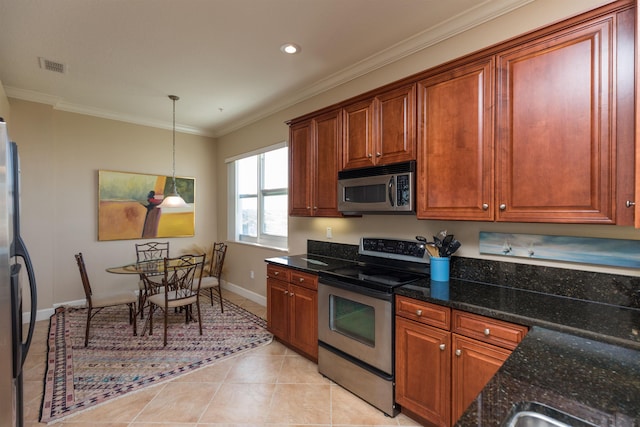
[485,206]
[630,204]
[503,207]
[458,352]
[487,332]
[301,280]
[286,292]
[378,154]
[275,273]
[442,347]
[369,155]
[291,294]
[418,312]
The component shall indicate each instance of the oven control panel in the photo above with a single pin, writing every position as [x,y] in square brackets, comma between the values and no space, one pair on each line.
[407,250]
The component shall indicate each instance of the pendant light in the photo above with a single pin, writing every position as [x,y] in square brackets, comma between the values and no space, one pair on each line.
[173,199]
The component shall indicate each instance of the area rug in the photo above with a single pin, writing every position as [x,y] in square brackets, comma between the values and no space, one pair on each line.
[117,363]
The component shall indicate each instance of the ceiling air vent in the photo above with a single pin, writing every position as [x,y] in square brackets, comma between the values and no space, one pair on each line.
[50,65]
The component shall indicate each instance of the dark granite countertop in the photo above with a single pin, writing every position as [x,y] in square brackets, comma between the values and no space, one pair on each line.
[587,379]
[604,322]
[308,263]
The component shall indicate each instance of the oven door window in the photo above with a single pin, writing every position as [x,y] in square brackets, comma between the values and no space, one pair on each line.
[353,319]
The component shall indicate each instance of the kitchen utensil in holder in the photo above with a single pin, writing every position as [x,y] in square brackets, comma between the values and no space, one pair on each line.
[440,268]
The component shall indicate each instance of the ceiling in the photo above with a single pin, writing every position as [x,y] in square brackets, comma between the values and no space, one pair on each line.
[122,58]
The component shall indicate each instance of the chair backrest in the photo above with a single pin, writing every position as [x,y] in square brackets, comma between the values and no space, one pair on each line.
[217,259]
[182,275]
[83,276]
[152,250]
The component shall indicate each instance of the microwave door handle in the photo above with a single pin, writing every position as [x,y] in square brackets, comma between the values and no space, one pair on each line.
[392,191]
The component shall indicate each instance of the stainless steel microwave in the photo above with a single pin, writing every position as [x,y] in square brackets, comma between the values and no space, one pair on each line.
[378,189]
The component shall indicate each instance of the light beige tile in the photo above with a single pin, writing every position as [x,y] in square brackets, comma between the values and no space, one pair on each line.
[298,370]
[348,409]
[262,368]
[178,402]
[301,404]
[239,403]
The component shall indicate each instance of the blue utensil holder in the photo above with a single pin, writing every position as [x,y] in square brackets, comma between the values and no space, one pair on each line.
[440,269]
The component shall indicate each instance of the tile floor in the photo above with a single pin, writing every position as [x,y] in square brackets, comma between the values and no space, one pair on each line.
[270,386]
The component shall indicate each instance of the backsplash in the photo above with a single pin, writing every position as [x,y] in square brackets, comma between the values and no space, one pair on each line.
[592,286]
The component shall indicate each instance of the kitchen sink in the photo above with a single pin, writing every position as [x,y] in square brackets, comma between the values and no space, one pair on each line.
[533,414]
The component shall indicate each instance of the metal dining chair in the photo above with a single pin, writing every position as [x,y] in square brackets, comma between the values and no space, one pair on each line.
[211,278]
[96,302]
[146,253]
[180,288]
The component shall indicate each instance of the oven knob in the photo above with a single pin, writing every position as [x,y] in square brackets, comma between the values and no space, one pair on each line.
[418,312]
[442,347]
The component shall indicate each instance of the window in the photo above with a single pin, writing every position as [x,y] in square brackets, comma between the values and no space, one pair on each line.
[259,207]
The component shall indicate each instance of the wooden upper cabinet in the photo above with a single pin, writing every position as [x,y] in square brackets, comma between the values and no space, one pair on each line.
[380,130]
[300,159]
[315,148]
[455,143]
[358,135]
[555,141]
[396,137]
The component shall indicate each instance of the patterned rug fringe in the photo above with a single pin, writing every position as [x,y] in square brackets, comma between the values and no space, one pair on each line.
[116,363]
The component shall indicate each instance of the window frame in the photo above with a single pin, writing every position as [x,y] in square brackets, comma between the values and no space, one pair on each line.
[234,197]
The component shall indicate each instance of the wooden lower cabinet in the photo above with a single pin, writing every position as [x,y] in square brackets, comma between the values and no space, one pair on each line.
[292,309]
[423,370]
[473,365]
[440,372]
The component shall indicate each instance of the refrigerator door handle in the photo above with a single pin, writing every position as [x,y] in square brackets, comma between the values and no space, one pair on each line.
[20,250]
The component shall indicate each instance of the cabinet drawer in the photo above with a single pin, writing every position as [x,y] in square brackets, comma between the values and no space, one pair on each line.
[497,332]
[306,280]
[423,312]
[277,272]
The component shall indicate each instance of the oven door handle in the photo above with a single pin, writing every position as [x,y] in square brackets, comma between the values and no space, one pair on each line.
[362,290]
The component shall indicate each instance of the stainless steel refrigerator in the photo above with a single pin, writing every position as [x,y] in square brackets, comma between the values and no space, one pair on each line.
[15,338]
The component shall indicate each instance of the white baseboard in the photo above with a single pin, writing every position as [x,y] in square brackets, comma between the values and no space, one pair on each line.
[46,313]
[250,295]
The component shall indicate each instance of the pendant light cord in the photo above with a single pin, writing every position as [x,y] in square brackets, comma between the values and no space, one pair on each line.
[174,98]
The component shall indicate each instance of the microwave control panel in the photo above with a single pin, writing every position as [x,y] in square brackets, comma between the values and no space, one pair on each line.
[403,190]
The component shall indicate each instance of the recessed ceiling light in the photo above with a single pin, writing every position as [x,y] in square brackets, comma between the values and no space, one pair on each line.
[290,48]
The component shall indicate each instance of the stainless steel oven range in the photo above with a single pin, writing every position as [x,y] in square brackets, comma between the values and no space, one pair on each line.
[356,317]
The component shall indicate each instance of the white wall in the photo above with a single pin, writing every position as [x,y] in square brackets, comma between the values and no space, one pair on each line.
[273,129]
[61,154]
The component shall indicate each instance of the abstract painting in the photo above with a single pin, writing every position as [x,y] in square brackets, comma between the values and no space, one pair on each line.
[586,250]
[128,206]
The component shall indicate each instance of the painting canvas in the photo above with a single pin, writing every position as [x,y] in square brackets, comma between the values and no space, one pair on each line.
[128,206]
[587,250]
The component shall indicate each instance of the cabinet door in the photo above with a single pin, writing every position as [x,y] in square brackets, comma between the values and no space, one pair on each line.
[554,138]
[300,174]
[474,363]
[278,308]
[303,328]
[328,157]
[455,144]
[423,381]
[358,135]
[396,135]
